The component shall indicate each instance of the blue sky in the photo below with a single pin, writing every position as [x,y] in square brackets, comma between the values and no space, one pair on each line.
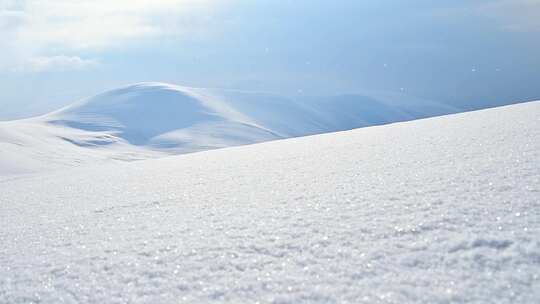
[468,54]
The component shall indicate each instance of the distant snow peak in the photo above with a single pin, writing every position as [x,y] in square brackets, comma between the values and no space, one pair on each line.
[152,119]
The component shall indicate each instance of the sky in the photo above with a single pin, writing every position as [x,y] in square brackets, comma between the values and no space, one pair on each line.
[468,54]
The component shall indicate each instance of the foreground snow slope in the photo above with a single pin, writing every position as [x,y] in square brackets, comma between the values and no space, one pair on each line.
[149,120]
[431,211]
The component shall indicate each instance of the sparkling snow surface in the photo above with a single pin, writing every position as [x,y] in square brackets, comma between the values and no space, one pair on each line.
[439,210]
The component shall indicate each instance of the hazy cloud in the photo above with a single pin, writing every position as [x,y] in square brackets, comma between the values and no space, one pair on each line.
[81,24]
[517,15]
[508,15]
[38,28]
[10,19]
[57,64]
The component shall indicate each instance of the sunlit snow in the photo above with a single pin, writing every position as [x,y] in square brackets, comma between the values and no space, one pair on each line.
[440,210]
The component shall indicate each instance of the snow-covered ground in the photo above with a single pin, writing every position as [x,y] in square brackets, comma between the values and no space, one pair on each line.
[441,210]
[149,120]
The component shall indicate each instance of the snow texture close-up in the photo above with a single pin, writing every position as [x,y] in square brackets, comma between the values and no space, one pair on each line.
[437,210]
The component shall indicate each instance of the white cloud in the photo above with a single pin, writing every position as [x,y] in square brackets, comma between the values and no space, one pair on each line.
[58,64]
[82,24]
[34,29]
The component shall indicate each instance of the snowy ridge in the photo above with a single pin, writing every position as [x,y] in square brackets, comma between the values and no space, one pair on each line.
[141,113]
[440,210]
[149,120]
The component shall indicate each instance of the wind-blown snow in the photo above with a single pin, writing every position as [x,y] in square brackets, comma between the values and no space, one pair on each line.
[442,210]
[149,120]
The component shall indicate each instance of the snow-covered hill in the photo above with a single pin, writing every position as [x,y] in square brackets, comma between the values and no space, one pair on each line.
[149,120]
[441,210]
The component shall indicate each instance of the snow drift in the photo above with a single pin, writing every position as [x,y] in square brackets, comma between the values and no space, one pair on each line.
[441,210]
